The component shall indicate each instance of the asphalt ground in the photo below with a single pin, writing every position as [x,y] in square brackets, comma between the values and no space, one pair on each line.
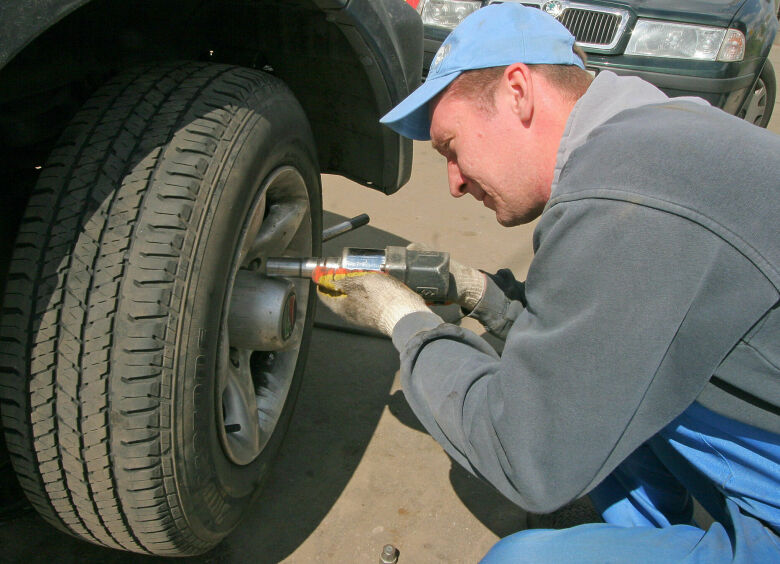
[357,470]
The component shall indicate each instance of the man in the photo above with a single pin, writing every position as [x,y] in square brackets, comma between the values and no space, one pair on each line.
[642,356]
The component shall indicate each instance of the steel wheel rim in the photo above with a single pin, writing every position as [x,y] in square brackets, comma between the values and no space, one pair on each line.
[253,385]
[757,105]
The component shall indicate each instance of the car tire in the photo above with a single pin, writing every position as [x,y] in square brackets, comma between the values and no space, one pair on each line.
[12,500]
[762,101]
[137,414]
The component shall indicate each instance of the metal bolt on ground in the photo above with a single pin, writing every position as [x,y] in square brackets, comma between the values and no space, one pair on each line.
[389,554]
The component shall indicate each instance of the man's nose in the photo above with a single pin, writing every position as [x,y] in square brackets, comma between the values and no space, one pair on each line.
[457,181]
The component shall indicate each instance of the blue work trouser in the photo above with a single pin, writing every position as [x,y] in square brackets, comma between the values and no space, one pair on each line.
[732,469]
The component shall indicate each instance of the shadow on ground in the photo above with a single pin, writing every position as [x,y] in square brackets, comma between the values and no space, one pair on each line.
[493,510]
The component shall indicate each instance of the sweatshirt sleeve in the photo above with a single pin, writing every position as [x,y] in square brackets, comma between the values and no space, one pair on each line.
[591,366]
[502,302]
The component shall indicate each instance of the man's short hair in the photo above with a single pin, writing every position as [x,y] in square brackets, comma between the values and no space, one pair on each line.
[480,84]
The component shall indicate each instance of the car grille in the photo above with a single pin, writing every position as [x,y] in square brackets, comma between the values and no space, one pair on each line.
[593,27]
[596,28]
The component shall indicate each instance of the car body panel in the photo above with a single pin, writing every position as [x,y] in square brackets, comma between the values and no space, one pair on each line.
[715,12]
[21,22]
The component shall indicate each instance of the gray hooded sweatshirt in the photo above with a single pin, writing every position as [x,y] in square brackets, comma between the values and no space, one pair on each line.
[654,284]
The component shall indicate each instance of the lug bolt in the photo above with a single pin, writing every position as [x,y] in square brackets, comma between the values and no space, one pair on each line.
[389,554]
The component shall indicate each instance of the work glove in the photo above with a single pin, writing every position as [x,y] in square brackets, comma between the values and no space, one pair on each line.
[467,285]
[370,299]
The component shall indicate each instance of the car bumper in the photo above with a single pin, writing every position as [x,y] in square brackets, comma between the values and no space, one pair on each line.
[725,93]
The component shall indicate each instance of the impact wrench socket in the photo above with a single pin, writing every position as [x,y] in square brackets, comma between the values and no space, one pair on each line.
[425,272]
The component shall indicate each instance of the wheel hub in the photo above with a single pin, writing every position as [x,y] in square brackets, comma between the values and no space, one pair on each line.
[262,312]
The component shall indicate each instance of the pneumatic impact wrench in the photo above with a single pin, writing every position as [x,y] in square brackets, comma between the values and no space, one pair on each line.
[425,272]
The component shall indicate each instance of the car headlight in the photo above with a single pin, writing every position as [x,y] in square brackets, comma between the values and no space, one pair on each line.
[446,13]
[686,41]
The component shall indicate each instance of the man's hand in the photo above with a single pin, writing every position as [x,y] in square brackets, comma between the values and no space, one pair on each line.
[467,285]
[369,299]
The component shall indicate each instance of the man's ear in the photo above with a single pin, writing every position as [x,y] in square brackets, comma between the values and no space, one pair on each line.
[519,83]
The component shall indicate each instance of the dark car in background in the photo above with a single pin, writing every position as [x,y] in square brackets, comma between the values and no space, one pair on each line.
[714,49]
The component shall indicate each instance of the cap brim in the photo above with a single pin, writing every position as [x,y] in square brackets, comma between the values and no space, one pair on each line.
[411,117]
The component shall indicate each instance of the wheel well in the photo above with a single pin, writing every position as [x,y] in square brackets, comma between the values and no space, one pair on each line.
[44,84]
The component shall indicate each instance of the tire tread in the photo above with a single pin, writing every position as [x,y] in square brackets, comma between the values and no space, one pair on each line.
[92,289]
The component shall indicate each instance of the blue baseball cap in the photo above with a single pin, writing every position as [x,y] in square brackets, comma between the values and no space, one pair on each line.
[494,36]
